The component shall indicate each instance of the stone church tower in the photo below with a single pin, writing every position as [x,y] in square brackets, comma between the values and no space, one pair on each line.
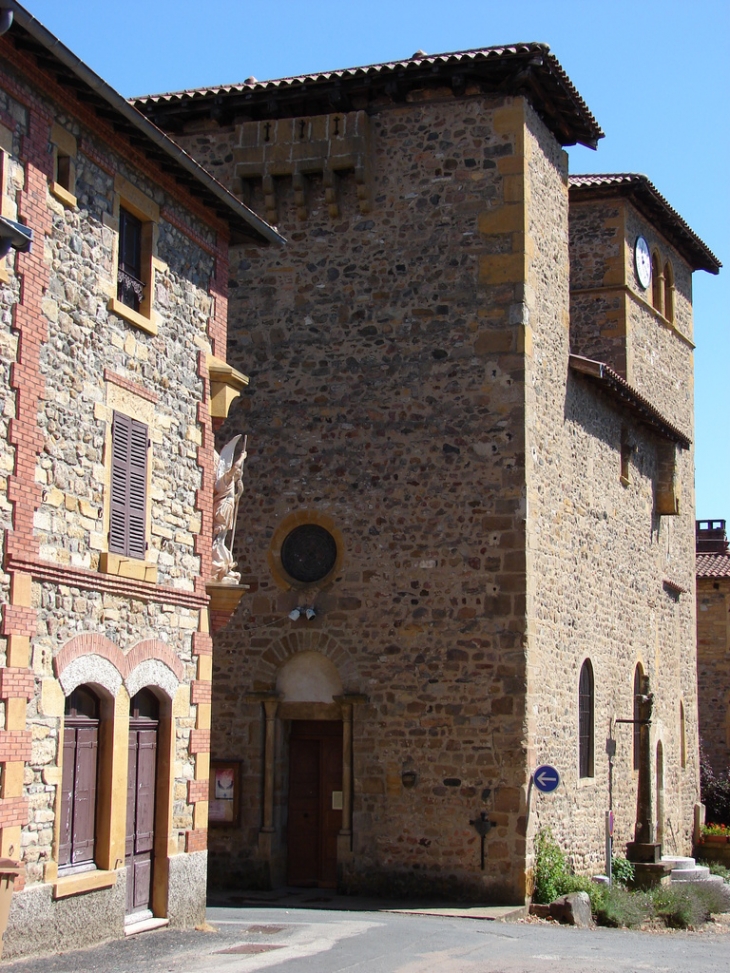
[468,522]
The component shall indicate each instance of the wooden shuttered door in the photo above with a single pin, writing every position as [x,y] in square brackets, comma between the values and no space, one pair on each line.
[141,786]
[78,793]
[128,515]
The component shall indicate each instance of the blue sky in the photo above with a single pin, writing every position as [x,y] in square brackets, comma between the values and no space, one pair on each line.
[655,73]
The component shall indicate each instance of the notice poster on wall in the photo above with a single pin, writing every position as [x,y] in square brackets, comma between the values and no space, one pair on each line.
[223,798]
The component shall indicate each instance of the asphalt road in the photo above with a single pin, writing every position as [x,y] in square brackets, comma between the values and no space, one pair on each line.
[284,940]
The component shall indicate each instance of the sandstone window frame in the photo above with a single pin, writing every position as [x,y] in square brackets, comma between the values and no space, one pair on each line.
[130,199]
[274,555]
[65,152]
[586,721]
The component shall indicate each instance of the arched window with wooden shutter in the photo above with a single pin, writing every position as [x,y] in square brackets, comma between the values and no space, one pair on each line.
[668,292]
[657,283]
[128,508]
[79,779]
[585,720]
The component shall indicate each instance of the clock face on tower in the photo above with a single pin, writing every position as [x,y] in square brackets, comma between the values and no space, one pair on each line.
[642,262]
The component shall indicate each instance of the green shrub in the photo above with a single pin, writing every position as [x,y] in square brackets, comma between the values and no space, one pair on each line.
[622,870]
[689,904]
[619,907]
[551,868]
[553,876]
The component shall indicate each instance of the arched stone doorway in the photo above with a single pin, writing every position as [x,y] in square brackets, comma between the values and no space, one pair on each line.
[307,770]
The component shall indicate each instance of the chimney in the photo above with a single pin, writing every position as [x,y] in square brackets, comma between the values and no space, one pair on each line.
[711,537]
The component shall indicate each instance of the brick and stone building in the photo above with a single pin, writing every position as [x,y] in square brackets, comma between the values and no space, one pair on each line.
[468,528]
[113,344]
[713,641]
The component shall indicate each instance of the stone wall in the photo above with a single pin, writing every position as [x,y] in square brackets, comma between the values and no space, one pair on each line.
[597,309]
[713,668]
[387,395]
[603,555]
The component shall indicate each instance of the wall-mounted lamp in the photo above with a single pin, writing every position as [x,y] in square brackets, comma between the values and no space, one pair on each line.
[309,613]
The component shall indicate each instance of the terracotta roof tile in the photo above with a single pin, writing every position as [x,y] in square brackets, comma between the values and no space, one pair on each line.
[529,68]
[713,566]
[647,199]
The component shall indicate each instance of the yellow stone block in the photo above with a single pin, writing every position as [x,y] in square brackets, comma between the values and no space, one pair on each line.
[511,165]
[513,188]
[205,667]
[202,766]
[181,702]
[502,268]
[21,587]
[503,219]
[15,714]
[203,721]
[13,774]
[509,119]
[200,815]
[52,776]
[54,497]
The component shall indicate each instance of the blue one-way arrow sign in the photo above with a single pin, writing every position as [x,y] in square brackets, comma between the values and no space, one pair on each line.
[546,778]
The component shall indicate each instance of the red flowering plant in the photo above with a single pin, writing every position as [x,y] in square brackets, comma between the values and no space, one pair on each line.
[722,830]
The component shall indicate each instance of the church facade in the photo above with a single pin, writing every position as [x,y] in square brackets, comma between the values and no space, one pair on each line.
[468,527]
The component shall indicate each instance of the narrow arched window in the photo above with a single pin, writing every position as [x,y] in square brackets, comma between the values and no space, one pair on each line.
[585,720]
[682,737]
[638,689]
[668,292]
[657,283]
[77,838]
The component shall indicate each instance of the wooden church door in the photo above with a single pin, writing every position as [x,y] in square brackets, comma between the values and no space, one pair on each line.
[139,852]
[315,802]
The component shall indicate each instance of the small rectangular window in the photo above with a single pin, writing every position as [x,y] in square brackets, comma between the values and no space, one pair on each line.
[130,286]
[626,451]
[63,170]
[63,185]
[128,509]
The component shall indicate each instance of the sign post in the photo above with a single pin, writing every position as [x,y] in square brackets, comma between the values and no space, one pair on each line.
[609,846]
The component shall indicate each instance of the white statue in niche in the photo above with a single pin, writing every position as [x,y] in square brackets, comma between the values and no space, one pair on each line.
[226,496]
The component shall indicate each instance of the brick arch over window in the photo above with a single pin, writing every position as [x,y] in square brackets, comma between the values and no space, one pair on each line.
[91,651]
[283,650]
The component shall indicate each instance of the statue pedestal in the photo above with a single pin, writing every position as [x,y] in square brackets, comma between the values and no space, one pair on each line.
[224,599]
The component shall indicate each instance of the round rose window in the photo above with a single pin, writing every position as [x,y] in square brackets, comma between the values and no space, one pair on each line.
[309,553]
